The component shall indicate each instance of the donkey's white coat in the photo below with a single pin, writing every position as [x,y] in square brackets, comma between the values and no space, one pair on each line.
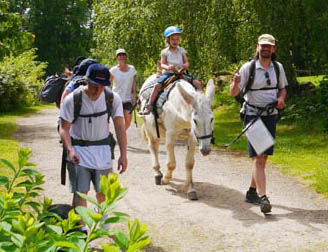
[186,111]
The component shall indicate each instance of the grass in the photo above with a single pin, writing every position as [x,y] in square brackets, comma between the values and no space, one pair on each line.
[315,80]
[299,151]
[8,145]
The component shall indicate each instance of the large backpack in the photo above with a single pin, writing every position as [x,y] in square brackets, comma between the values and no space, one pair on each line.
[250,81]
[53,88]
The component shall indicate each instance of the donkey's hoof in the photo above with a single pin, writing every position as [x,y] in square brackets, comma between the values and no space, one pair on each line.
[192,195]
[158,179]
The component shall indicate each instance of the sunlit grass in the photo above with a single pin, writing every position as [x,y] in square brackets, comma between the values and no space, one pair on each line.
[8,145]
[315,79]
[299,151]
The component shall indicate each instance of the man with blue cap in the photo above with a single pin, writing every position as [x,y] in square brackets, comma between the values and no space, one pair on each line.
[85,133]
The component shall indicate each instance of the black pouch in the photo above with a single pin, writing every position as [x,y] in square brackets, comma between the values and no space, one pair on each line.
[242,116]
[112,143]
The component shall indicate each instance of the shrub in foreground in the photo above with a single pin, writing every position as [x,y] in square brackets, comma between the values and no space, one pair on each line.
[27,225]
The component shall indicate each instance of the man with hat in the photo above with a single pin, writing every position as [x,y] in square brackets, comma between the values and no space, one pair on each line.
[86,137]
[267,87]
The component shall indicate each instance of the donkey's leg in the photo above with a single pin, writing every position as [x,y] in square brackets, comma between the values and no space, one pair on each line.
[170,162]
[153,144]
[189,164]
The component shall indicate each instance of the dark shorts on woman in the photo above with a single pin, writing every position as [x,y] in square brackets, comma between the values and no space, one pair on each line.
[270,122]
[127,106]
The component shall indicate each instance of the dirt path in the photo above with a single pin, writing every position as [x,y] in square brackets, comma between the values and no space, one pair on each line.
[219,221]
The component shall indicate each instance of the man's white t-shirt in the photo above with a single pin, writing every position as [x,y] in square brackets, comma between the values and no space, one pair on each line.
[95,128]
[123,82]
[173,57]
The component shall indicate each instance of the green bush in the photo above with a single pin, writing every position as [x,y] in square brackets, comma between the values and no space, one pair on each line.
[323,94]
[20,79]
[26,225]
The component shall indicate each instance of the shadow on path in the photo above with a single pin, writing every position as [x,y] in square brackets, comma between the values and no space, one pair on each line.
[219,196]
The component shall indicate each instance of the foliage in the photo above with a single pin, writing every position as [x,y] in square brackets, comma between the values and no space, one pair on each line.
[62,29]
[27,225]
[13,40]
[216,33]
[19,78]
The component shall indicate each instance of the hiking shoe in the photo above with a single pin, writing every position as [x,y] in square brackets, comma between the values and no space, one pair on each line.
[265,204]
[253,197]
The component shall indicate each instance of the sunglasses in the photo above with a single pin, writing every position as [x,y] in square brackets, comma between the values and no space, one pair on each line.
[267,76]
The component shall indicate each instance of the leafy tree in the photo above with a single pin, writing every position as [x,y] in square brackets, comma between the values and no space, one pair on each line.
[13,40]
[62,29]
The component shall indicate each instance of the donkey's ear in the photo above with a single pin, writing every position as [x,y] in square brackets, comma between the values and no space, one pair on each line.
[186,96]
[210,90]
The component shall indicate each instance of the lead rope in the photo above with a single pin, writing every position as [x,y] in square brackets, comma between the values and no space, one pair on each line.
[269,108]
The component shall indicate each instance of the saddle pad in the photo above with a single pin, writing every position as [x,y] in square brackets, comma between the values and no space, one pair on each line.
[145,92]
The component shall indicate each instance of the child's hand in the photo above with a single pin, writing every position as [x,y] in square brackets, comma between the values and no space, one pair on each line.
[171,68]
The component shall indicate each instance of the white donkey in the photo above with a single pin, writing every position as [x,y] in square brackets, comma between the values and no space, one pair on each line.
[185,111]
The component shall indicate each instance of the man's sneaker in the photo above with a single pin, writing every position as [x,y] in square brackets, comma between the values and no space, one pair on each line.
[265,204]
[253,197]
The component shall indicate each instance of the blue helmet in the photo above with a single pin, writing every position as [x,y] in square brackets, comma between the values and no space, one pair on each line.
[171,30]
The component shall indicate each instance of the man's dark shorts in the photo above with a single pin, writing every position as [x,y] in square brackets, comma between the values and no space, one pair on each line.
[270,122]
[127,106]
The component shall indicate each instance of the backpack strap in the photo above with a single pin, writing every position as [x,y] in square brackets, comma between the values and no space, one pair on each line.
[277,70]
[250,80]
[77,100]
[109,97]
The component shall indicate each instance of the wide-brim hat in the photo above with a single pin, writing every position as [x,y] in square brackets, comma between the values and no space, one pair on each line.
[98,74]
[266,39]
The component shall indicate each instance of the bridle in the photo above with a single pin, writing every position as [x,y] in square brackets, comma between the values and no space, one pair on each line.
[204,136]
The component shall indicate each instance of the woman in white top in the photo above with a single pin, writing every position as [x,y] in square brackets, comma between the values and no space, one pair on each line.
[123,77]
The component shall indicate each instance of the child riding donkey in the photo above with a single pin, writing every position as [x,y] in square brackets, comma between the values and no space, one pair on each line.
[173,61]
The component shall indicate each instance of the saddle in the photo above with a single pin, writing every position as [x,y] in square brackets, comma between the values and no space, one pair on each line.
[173,78]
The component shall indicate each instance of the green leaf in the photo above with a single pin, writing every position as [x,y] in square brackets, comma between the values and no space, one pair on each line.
[138,245]
[30,172]
[9,165]
[110,248]
[34,205]
[121,240]
[17,239]
[65,244]
[120,214]
[30,164]
[112,220]
[4,181]
[84,213]
[26,183]
[95,216]
[88,198]
[5,225]
[56,229]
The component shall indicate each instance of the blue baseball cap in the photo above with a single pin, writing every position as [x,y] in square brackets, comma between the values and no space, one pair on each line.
[98,74]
